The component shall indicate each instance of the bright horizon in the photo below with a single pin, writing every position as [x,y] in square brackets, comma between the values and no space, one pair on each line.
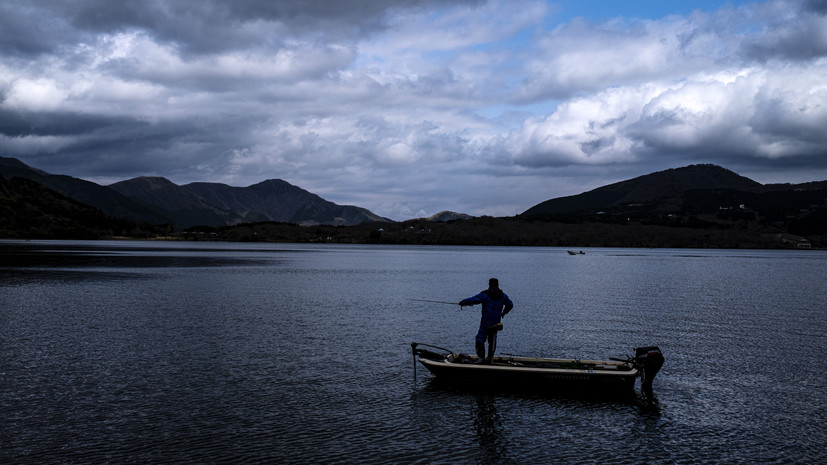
[479,107]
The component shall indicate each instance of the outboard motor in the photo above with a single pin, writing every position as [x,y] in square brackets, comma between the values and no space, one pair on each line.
[649,360]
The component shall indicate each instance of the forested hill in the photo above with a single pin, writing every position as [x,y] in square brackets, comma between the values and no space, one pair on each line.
[28,210]
[662,187]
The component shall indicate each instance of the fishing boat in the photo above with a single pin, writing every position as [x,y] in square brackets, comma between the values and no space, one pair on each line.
[607,377]
[572,252]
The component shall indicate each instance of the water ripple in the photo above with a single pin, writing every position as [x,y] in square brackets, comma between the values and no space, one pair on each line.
[272,356]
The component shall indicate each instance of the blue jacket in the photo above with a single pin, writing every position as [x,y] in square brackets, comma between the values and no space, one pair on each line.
[495,304]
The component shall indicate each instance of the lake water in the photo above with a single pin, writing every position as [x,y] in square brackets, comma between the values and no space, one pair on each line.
[171,352]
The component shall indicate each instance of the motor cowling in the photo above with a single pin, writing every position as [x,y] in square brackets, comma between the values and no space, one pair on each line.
[649,360]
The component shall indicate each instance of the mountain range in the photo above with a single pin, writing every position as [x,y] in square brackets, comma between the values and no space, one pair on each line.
[215,204]
[156,200]
[701,197]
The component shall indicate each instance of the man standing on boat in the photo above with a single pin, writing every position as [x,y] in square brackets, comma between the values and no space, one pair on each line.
[495,304]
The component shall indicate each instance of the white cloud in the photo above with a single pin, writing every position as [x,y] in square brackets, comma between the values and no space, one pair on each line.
[757,112]
[35,95]
[588,130]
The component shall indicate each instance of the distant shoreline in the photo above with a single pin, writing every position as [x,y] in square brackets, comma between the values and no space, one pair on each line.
[488,231]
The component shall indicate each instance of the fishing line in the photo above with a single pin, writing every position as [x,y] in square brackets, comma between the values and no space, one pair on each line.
[435,301]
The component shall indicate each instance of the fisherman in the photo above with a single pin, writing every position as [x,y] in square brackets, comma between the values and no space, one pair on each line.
[495,304]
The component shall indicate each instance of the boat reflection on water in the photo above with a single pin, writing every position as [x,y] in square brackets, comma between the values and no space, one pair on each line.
[646,403]
[488,426]
[488,423]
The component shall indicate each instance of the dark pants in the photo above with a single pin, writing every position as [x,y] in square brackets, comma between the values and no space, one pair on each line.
[487,333]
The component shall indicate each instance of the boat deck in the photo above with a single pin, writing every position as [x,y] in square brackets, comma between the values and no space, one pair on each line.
[544,363]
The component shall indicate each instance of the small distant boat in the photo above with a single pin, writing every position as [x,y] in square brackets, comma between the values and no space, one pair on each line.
[572,252]
[604,377]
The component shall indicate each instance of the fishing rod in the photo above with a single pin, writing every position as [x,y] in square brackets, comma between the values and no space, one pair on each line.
[436,301]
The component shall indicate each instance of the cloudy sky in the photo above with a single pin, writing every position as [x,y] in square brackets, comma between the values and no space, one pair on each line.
[410,107]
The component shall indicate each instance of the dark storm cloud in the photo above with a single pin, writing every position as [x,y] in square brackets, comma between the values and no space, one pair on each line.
[27,30]
[795,35]
[197,26]
[817,6]
[409,107]
[22,123]
[173,150]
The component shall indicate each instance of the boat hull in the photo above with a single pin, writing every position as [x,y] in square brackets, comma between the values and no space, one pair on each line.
[593,377]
